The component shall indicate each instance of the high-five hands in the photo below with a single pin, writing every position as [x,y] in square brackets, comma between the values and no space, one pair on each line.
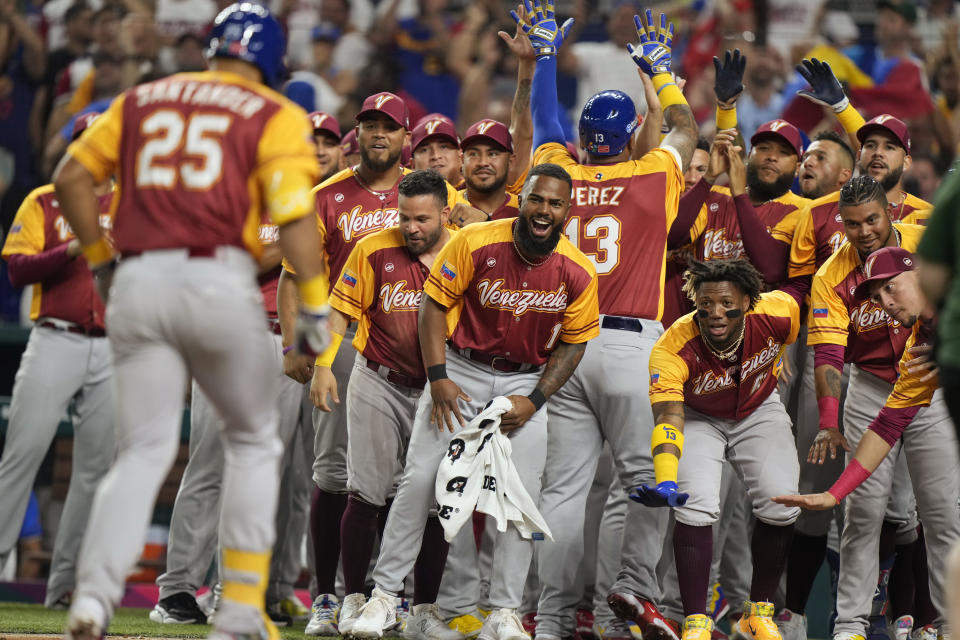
[540,25]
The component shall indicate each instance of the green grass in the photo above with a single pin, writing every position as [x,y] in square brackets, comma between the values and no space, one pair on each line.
[34,618]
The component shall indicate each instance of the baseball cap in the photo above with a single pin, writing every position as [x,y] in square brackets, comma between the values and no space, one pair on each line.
[903,7]
[325,32]
[325,122]
[883,264]
[886,122]
[435,125]
[81,123]
[488,131]
[349,143]
[389,104]
[780,129]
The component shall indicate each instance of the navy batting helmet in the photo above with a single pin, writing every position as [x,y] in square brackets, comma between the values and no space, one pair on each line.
[607,122]
[248,32]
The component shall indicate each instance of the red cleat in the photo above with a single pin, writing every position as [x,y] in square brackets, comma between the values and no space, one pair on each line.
[653,625]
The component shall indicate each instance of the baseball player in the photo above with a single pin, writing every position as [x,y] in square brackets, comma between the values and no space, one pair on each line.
[198,157]
[602,401]
[65,370]
[327,137]
[929,444]
[713,386]
[843,328]
[351,150]
[380,287]
[436,146]
[487,162]
[828,163]
[193,533]
[355,202]
[517,303]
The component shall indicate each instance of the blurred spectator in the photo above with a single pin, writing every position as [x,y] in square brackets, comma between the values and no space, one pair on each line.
[321,88]
[923,178]
[947,77]
[78,31]
[605,65]
[22,58]
[790,24]
[188,53]
[352,50]
[763,81]
[175,18]
[934,22]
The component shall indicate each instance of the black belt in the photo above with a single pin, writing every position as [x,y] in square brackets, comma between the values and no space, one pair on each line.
[396,377]
[622,323]
[192,252]
[94,332]
[497,363]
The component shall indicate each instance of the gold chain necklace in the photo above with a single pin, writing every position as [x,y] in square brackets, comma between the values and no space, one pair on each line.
[729,353]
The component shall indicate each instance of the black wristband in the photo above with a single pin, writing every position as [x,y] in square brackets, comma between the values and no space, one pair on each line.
[437,372]
[537,398]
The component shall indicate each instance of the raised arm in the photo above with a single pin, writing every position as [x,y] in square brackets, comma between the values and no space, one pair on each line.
[521,120]
[826,90]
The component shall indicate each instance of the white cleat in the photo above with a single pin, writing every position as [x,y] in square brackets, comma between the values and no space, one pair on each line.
[793,626]
[350,612]
[323,616]
[926,632]
[377,616]
[503,624]
[86,621]
[901,628]
[425,623]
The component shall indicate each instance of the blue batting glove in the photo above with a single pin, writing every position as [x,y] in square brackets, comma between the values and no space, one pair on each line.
[654,53]
[665,494]
[541,27]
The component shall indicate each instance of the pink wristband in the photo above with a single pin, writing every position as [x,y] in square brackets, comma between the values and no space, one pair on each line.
[851,478]
[287,350]
[829,409]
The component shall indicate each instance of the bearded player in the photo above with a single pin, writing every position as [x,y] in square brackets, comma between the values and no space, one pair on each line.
[601,401]
[197,158]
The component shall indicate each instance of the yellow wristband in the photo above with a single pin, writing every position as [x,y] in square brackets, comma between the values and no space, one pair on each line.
[667,90]
[851,119]
[726,118]
[98,253]
[326,358]
[665,466]
[314,292]
[665,433]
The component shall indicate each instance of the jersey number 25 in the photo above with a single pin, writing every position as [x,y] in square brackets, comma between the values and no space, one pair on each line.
[200,141]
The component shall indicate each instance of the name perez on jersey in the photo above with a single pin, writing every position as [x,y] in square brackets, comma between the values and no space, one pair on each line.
[597,196]
[356,223]
[494,296]
[393,297]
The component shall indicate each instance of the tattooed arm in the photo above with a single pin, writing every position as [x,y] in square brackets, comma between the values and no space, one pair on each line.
[683,132]
[828,385]
[563,361]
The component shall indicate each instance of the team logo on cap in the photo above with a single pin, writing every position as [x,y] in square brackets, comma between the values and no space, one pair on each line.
[381,100]
[883,119]
[868,267]
[776,125]
[908,262]
[432,126]
[318,120]
[484,126]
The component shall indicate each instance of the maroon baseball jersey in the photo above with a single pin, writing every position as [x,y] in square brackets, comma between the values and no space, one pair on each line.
[509,208]
[191,154]
[684,369]
[380,286]
[68,294]
[500,305]
[269,234]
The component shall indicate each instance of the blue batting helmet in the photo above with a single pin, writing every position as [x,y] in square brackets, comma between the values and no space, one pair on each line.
[248,32]
[607,122]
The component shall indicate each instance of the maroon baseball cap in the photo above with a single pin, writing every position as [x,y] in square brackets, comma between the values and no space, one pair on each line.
[885,122]
[780,129]
[349,143]
[884,264]
[325,122]
[82,122]
[434,127]
[389,104]
[488,131]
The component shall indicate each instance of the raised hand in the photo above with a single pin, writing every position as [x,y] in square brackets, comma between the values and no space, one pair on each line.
[825,89]
[519,44]
[728,84]
[653,55]
[540,25]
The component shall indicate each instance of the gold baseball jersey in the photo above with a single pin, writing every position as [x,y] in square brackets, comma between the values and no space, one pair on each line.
[684,369]
[498,304]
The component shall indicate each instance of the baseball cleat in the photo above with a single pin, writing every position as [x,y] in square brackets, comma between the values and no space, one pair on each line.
[468,625]
[277,616]
[653,625]
[86,621]
[697,627]
[180,608]
[926,632]
[615,630]
[403,613]
[717,605]
[584,619]
[503,624]
[323,616]
[292,607]
[757,623]
[901,628]
[349,612]
[425,623]
[844,635]
[377,616]
[529,622]
[793,626]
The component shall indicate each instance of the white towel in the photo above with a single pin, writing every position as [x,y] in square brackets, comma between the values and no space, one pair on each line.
[477,472]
